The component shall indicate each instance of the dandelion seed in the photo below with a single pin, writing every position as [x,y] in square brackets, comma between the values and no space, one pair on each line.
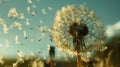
[5,28]
[18,24]
[1,21]
[28,21]
[14,64]
[22,16]
[49,8]
[1,45]
[34,13]
[34,6]
[20,54]
[34,64]
[41,21]
[32,54]
[28,10]
[29,1]
[24,34]
[43,29]
[43,11]
[6,43]
[13,13]
[17,39]
[1,60]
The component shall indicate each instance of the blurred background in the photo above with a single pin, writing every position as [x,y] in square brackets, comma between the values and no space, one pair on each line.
[24,33]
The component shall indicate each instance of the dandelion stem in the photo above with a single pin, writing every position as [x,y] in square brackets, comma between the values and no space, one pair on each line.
[79,61]
[51,62]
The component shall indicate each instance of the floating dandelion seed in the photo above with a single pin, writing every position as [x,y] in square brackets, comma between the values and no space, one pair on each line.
[34,6]
[43,11]
[49,8]
[13,13]
[34,13]
[28,21]
[6,43]
[20,57]
[41,21]
[28,9]
[1,60]
[24,34]
[1,21]
[43,29]
[20,54]
[18,24]
[5,28]
[29,1]
[22,16]
[17,39]
[77,30]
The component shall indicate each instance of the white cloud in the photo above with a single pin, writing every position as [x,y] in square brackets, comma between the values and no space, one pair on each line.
[113,30]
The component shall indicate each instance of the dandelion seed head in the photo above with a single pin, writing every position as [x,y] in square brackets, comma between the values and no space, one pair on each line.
[81,16]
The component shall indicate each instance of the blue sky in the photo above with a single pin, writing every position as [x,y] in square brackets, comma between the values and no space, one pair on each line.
[45,10]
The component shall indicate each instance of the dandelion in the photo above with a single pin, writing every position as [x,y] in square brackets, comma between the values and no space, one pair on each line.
[77,30]
[13,13]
